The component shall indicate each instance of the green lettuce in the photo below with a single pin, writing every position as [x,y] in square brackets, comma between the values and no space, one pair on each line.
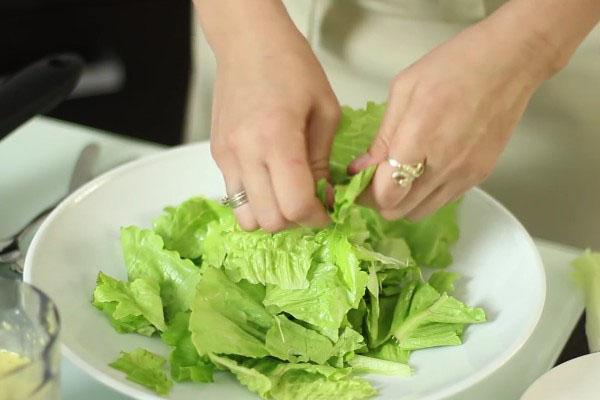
[587,274]
[430,239]
[186,363]
[281,259]
[145,368]
[355,133]
[222,306]
[294,314]
[272,379]
[146,258]
[184,228]
[379,366]
[443,281]
[290,341]
[130,306]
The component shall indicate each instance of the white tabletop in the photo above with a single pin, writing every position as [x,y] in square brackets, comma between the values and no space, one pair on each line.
[35,165]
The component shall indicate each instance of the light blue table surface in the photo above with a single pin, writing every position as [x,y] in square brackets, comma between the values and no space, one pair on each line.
[35,166]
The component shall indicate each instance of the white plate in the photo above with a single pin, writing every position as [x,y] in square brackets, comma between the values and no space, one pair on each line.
[577,379]
[500,265]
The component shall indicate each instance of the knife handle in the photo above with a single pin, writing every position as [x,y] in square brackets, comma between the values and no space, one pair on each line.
[36,89]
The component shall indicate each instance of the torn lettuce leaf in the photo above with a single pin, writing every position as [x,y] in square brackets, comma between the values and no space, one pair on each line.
[281,259]
[346,195]
[379,366]
[183,228]
[431,238]
[428,306]
[223,306]
[390,351]
[186,364]
[323,304]
[130,306]
[443,281]
[356,130]
[145,368]
[146,258]
[272,379]
[293,342]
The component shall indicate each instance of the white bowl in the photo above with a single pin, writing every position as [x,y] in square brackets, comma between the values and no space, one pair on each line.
[500,267]
[577,379]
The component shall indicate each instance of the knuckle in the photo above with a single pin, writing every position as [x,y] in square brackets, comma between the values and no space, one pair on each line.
[439,98]
[331,110]
[274,121]
[298,210]
[380,146]
[386,200]
[478,170]
[398,85]
[389,215]
[232,141]
[247,225]
[273,222]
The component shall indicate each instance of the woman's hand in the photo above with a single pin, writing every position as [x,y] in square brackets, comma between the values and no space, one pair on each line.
[455,110]
[274,117]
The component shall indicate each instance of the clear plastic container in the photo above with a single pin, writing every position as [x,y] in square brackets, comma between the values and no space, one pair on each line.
[29,344]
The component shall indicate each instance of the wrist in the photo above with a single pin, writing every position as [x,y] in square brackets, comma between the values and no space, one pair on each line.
[527,49]
[236,29]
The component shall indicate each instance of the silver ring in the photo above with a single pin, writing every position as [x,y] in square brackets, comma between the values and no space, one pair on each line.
[405,174]
[236,200]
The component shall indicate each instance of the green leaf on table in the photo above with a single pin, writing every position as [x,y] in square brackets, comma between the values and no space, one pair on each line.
[130,306]
[146,258]
[587,274]
[145,368]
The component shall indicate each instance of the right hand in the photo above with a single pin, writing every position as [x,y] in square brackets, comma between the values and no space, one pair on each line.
[274,118]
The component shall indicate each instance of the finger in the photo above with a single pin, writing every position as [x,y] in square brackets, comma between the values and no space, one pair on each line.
[257,183]
[441,196]
[385,193]
[422,187]
[233,184]
[294,184]
[321,130]
[398,101]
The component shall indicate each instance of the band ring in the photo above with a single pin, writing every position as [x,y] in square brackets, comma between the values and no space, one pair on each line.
[236,200]
[405,174]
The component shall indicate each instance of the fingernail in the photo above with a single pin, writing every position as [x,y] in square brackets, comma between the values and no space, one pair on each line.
[330,194]
[359,163]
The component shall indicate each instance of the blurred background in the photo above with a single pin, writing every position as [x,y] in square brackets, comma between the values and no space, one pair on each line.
[149,75]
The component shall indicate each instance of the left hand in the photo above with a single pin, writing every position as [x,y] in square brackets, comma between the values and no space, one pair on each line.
[455,109]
